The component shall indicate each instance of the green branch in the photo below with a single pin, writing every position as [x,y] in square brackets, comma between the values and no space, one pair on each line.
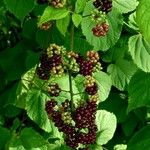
[69,72]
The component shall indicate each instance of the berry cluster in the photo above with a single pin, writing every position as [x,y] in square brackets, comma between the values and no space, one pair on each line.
[62,121]
[83,117]
[100,29]
[56,61]
[57,3]
[45,26]
[54,90]
[103,5]
[76,121]
[65,105]
[91,86]
[49,107]
[54,3]
[93,56]
[86,67]
[89,65]
[99,16]
[51,62]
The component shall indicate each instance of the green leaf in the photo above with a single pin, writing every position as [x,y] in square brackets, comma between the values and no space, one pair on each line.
[28,135]
[118,51]
[140,52]
[2,120]
[15,144]
[28,139]
[130,124]
[20,8]
[76,18]
[12,111]
[121,74]
[35,106]
[132,22]
[125,6]
[141,114]
[79,80]
[79,6]
[120,147]
[29,29]
[5,136]
[81,46]
[106,123]
[43,38]
[117,104]
[139,91]
[32,59]
[104,84]
[143,17]
[16,124]
[64,83]
[115,21]
[96,147]
[55,132]
[8,65]
[17,96]
[51,13]
[62,24]
[141,140]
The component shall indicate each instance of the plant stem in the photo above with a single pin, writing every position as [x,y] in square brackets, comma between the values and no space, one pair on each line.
[78,93]
[71,90]
[72,38]
[69,72]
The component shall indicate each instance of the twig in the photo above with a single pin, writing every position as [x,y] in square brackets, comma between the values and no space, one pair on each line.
[70,79]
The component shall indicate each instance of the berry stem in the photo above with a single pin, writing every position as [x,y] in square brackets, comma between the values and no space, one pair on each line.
[70,73]
[65,91]
[71,91]
[78,93]
[72,38]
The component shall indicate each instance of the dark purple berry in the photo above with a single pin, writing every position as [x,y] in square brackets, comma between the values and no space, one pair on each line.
[103,5]
[84,116]
[43,73]
[86,68]
[45,62]
[92,90]
[49,106]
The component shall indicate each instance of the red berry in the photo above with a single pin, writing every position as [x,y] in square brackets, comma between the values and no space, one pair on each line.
[100,29]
